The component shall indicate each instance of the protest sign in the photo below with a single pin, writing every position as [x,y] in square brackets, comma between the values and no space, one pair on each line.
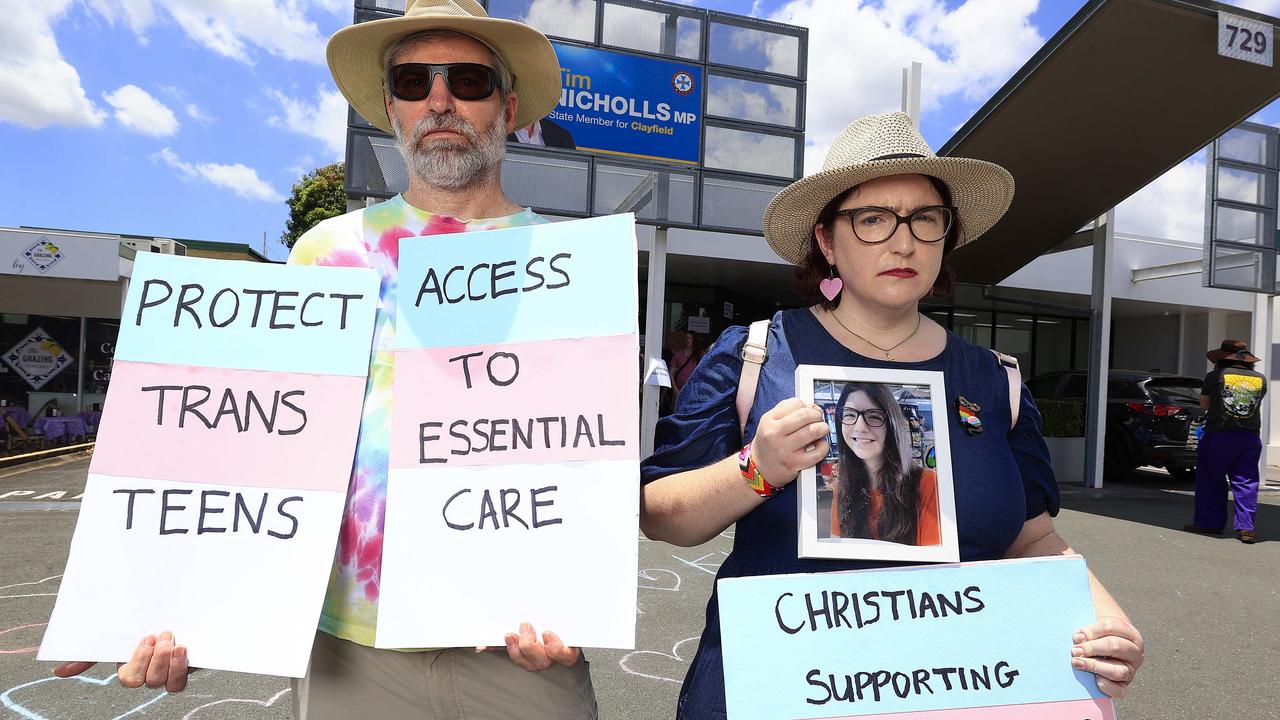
[513,490]
[220,474]
[946,642]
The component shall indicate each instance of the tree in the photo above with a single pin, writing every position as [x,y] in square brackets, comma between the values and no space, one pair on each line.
[319,195]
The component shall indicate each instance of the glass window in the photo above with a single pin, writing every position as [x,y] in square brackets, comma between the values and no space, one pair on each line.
[1076,386]
[1242,226]
[752,152]
[1081,359]
[652,31]
[751,100]
[574,19]
[1053,344]
[754,49]
[38,355]
[1241,185]
[974,326]
[1244,145]
[1238,268]
[1013,337]
[1043,388]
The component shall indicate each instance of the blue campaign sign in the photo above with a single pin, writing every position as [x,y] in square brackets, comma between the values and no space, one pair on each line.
[621,104]
[924,643]
[553,281]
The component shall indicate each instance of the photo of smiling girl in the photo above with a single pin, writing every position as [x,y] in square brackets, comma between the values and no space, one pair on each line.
[881,492]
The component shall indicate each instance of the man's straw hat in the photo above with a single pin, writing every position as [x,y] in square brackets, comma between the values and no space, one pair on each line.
[355,56]
[877,146]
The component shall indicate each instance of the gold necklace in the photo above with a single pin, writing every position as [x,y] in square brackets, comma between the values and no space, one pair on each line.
[885,350]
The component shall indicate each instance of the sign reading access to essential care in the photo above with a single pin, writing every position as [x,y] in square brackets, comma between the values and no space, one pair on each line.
[219,479]
[514,438]
[620,104]
[946,642]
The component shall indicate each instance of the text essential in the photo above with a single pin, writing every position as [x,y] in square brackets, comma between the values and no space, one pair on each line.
[218,463]
[945,639]
[514,437]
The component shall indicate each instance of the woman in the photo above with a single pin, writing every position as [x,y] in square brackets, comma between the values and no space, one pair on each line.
[870,233]
[683,361]
[1229,451]
[880,493]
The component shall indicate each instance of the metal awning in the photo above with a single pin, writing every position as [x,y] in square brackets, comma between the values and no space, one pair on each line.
[1126,90]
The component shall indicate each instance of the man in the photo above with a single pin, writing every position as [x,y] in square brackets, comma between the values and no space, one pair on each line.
[1230,448]
[451,84]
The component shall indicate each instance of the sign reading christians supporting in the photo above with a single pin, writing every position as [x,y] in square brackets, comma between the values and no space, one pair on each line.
[948,642]
[513,490]
[220,474]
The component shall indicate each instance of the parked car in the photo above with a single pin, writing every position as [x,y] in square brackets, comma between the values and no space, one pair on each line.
[1148,417]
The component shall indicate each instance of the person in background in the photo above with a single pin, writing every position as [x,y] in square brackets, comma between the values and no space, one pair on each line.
[683,362]
[1231,448]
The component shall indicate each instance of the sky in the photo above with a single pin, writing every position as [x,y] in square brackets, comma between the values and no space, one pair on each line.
[193,118]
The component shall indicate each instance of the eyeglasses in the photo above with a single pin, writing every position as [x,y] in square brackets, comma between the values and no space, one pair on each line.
[873,417]
[466,81]
[874,225]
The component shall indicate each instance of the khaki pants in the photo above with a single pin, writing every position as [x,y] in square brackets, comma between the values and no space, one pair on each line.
[348,681]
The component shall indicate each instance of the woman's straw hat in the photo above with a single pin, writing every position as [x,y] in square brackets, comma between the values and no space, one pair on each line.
[356,52]
[877,146]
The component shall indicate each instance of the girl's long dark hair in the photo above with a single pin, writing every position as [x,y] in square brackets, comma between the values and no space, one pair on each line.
[899,478]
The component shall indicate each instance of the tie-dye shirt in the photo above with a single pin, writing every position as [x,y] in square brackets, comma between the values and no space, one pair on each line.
[369,238]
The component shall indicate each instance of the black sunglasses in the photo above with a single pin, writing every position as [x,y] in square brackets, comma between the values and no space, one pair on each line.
[466,81]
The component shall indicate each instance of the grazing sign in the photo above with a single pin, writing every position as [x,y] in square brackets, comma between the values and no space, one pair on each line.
[220,474]
[514,438]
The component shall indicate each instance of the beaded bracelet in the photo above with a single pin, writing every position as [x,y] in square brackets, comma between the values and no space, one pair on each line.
[751,473]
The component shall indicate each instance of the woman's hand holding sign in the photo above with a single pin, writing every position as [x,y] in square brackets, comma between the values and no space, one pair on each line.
[1111,649]
[791,437]
[157,662]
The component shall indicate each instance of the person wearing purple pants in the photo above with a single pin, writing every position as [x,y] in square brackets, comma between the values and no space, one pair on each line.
[1230,449]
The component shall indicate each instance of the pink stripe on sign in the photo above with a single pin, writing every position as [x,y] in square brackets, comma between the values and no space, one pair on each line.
[276,430]
[1094,709]
[552,401]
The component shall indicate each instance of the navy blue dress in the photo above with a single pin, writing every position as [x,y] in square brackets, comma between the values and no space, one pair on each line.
[1002,477]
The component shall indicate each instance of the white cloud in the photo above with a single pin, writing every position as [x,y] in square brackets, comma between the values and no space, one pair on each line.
[323,118]
[38,88]
[199,115]
[137,14]
[231,28]
[857,50]
[139,111]
[1171,206]
[239,179]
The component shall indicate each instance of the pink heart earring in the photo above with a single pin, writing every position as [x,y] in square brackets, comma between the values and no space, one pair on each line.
[831,285]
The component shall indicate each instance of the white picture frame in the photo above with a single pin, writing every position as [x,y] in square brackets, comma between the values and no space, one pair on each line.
[923,418]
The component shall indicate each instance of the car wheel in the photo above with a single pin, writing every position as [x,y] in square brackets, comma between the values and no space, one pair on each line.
[1118,461]
[1183,474]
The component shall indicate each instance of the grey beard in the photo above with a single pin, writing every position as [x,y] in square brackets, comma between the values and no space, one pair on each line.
[452,165]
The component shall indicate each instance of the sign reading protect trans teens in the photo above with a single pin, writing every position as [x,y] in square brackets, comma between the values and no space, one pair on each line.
[222,464]
[629,105]
[987,640]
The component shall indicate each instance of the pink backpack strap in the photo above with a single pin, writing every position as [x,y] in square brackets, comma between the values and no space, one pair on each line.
[1010,365]
[754,352]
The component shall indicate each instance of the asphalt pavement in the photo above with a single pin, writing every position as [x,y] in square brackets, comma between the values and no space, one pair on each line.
[1208,607]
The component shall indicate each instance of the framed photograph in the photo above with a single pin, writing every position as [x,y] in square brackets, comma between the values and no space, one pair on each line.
[884,491]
